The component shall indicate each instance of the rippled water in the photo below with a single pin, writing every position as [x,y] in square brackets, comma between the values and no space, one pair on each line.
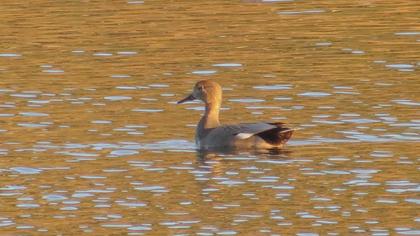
[91,140]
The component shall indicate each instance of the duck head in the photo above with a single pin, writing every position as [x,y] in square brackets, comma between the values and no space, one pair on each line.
[207,91]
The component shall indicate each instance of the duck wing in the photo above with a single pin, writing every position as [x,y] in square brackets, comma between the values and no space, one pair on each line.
[272,133]
[247,130]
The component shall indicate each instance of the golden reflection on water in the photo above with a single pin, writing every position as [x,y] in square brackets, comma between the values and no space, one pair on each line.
[91,139]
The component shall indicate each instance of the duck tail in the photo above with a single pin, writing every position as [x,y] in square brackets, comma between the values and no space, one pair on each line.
[277,136]
[285,134]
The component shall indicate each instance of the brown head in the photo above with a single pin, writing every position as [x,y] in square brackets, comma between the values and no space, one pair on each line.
[207,91]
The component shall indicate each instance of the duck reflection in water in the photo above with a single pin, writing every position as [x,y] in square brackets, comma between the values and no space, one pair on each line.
[217,163]
[204,155]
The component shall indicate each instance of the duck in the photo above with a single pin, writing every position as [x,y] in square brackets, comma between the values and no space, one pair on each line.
[210,134]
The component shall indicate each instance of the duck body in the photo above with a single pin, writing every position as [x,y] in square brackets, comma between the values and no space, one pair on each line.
[247,135]
[210,134]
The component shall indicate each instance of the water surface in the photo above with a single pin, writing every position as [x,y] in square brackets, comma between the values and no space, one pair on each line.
[92,142]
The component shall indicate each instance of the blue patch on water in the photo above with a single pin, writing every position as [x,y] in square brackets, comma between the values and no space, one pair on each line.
[314,94]
[26,170]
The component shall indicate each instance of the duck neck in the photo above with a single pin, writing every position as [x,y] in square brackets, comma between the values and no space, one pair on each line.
[210,118]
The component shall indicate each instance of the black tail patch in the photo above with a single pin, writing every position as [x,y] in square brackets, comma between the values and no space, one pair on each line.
[276,136]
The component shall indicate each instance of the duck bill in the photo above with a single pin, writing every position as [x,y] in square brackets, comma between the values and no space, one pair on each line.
[188,98]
